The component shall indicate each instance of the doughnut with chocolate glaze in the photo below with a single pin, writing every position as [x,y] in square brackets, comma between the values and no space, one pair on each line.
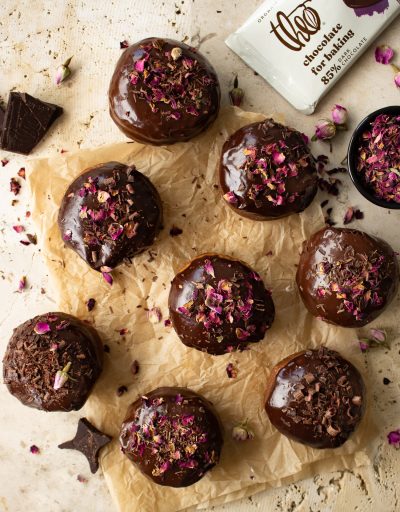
[315,397]
[52,362]
[218,305]
[172,435]
[163,91]
[347,277]
[267,171]
[109,214]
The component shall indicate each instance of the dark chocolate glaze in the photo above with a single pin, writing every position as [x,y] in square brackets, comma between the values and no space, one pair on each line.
[138,211]
[355,4]
[315,397]
[354,254]
[229,335]
[187,421]
[32,360]
[235,179]
[132,112]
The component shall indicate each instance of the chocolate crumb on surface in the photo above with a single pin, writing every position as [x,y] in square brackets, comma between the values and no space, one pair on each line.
[316,398]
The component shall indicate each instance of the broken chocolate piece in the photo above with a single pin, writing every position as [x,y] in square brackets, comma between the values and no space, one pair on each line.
[1,119]
[26,121]
[89,441]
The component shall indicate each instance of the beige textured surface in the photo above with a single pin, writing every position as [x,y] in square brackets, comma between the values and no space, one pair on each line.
[35,36]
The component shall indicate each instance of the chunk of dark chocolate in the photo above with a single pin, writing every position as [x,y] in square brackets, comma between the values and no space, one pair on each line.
[26,121]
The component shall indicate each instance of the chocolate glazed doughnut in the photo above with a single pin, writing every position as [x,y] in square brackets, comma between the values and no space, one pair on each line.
[218,305]
[162,91]
[347,277]
[52,362]
[109,214]
[172,435]
[267,171]
[315,397]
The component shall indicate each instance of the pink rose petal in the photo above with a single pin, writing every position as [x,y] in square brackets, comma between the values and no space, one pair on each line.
[42,328]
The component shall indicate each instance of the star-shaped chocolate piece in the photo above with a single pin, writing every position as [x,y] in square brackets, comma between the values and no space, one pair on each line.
[89,441]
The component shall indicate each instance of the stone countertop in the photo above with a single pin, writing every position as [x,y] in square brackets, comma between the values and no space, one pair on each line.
[35,37]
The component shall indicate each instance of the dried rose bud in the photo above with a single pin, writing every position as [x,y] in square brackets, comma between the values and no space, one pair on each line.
[384,54]
[21,173]
[63,71]
[90,304]
[154,315]
[339,115]
[394,438]
[107,278]
[22,284]
[62,376]
[176,53]
[34,449]
[378,335]
[236,95]
[242,432]
[324,130]
[364,345]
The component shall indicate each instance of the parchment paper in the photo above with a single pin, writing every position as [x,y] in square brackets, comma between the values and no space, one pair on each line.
[185,176]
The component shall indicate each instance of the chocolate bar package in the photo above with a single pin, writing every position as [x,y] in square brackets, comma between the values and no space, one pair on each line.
[303,48]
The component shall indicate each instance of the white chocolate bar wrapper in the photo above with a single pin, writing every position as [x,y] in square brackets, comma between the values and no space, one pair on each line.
[303,48]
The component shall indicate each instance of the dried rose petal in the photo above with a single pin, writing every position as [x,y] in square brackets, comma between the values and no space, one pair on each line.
[135,367]
[32,238]
[154,315]
[394,438]
[208,268]
[364,346]
[230,197]
[4,162]
[167,322]
[34,449]
[104,268]
[123,331]
[123,44]
[107,278]
[81,479]
[18,229]
[15,186]
[349,215]
[103,196]
[121,390]
[22,284]
[397,79]
[384,54]
[378,335]
[21,173]
[231,371]
[42,328]
[67,236]
[90,304]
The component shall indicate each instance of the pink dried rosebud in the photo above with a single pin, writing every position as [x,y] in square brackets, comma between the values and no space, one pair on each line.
[236,95]
[22,284]
[63,71]
[339,114]
[154,315]
[42,328]
[394,438]
[242,432]
[384,54]
[324,130]
[62,376]
[378,335]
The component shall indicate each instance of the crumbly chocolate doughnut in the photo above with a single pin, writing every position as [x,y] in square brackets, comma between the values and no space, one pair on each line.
[172,435]
[347,277]
[218,305]
[109,214]
[267,171]
[163,91]
[52,362]
[315,397]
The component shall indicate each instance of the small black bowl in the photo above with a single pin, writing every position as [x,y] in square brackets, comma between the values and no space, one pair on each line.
[352,157]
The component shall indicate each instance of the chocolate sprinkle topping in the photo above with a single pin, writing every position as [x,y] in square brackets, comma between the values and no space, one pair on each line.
[316,397]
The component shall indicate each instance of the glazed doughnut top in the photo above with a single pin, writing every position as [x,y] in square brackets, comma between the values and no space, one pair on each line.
[163,91]
[110,213]
[41,349]
[173,435]
[218,305]
[317,398]
[267,171]
[347,277]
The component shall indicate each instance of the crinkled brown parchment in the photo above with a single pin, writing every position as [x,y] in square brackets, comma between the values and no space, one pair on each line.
[185,176]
